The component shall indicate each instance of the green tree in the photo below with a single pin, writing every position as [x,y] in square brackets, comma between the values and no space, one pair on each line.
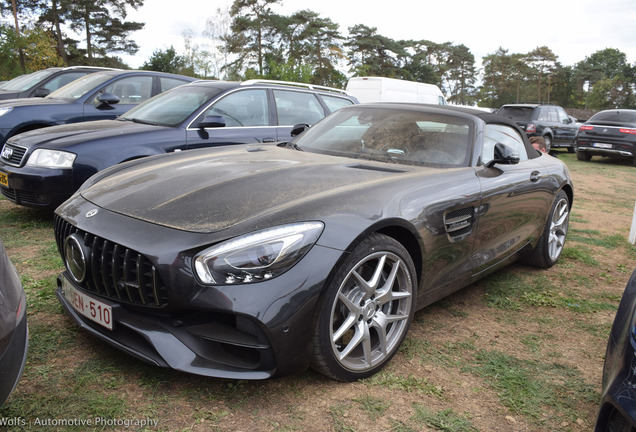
[371,53]
[460,75]
[165,61]
[595,75]
[250,24]
[102,23]
[37,46]
[543,61]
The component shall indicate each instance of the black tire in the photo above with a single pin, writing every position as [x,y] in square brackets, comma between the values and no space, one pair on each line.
[550,245]
[583,156]
[366,310]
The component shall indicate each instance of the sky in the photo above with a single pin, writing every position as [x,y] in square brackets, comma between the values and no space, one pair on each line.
[572,29]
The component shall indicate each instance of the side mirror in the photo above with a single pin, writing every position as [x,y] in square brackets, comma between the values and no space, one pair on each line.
[108,99]
[41,92]
[212,121]
[504,155]
[298,129]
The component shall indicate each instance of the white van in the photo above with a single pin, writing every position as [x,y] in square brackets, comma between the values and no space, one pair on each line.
[379,89]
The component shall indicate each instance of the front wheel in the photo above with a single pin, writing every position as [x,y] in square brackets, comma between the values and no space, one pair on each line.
[366,310]
[550,246]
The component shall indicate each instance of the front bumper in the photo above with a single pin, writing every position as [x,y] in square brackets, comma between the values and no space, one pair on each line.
[41,188]
[251,331]
[12,361]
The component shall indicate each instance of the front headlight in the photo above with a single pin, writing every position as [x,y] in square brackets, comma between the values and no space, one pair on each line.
[5,110]
[257,256]
[51,159]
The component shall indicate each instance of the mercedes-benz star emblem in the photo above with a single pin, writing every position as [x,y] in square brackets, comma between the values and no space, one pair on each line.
[91,213]
[75,258]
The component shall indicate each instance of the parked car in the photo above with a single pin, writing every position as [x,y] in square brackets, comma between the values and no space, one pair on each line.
[548,121]
[257,260]
[45,81]
[618,395]
[101,95]
[43,168]
[610,133]
[14,333]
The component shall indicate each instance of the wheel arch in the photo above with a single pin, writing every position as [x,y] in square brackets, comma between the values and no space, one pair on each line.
[569,191]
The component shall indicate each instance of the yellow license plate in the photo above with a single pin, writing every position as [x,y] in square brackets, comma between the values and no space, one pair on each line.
[4,179]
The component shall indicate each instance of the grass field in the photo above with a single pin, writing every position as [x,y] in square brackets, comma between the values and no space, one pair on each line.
[521,350]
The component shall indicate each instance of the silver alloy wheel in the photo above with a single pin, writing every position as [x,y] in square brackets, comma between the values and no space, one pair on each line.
[558,229]
[371,311]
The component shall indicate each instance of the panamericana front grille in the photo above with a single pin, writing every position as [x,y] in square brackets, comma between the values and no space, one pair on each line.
[116,272]
[12,154]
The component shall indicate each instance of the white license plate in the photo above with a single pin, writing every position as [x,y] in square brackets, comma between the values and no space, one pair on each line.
[91,308]
[603,145]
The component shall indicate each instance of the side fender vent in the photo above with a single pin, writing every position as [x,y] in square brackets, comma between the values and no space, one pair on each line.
[459,223]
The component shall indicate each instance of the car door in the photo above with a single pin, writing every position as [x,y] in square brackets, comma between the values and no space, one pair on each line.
[247,119]
[566,128]
[515,200]
[131,91]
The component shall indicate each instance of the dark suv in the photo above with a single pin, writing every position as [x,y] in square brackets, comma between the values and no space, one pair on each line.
[548,121]
[44,82]
[44,167]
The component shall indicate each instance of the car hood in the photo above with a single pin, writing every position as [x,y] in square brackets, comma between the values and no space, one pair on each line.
[65,136]
[208,191]
[29,102]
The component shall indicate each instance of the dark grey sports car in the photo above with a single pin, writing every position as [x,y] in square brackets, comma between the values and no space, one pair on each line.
[254,261]
[14,334]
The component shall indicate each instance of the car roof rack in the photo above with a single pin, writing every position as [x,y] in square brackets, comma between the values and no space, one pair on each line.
[294,84]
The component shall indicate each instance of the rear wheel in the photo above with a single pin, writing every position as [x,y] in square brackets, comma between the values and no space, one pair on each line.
[550,246]
[583,156]
[366,310]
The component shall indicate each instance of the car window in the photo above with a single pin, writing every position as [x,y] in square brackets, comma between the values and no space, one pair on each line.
[399,136]
[516,113]
[131,90]
[334,103]
[497,133]
[295,107]
[242,108]
[25,82]
[554,117]
[80,86]
[614,117]
[562,115]
[171,108]
[62,80]
[544,115]
[168,83]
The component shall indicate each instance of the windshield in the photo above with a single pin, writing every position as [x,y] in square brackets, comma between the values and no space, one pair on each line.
[392,135]
[80,87]
[173,107]
[516,113]
[25,82]
[615,117]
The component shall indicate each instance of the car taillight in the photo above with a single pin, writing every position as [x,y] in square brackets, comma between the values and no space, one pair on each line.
[531,127]
[586,127]
[627,131]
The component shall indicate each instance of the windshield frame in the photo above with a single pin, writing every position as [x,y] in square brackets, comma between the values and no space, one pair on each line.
[398,135]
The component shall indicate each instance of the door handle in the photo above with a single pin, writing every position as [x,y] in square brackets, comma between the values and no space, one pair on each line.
[535,176]
[268,140]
